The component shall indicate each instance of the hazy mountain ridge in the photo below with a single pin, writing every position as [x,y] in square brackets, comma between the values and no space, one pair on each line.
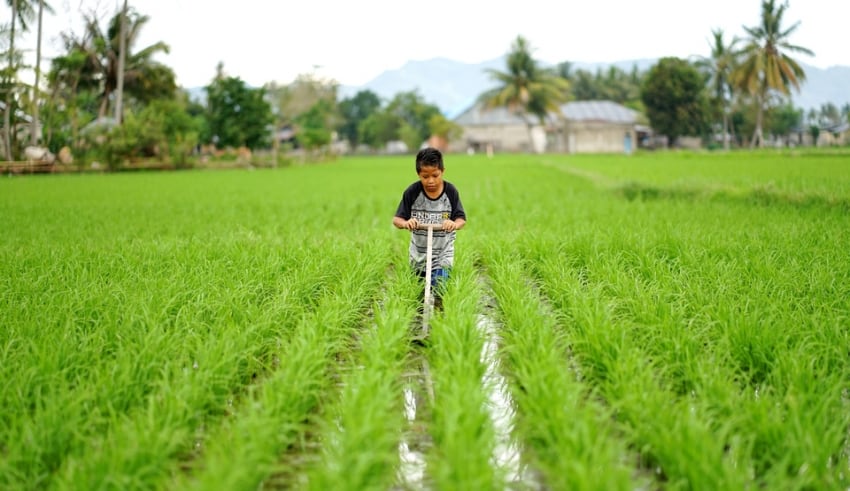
[453,85]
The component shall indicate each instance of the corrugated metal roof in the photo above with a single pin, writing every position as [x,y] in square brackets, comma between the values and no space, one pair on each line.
[477,115]
[606,111]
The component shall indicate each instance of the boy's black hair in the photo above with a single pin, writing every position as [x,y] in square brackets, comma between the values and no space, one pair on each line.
[429,157]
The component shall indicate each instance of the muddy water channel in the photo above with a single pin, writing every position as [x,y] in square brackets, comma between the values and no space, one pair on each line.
[418,400]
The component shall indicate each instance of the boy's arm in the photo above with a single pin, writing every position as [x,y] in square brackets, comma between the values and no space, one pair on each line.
[400,222]
[402,218]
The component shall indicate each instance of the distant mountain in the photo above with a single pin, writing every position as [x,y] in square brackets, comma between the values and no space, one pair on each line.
[453,85]
[823,86]
[450,85]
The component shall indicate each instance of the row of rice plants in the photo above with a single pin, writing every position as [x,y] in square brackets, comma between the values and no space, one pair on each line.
[272,422]
[134,330]
[693,338]
[670,434]
[461,429]
[670,308]
[360,429]
[139,356]
[564,428]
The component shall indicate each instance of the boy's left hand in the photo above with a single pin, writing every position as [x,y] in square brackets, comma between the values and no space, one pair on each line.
[449,225]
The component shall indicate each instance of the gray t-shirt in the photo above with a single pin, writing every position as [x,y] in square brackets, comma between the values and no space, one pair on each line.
[416,204]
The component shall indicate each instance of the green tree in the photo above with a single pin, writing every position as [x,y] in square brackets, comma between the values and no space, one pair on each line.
[314,125]
[829,115]
[236,114]
[719,67]
[674,97]
[525,89]
[179,130]
[67,107]
[785,120]
[413,114]
[353,111]
[290,101]
[444,128]
[766,67]
[379,128]
[584,87]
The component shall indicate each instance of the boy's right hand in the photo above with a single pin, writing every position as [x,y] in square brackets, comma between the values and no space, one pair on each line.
[411,224]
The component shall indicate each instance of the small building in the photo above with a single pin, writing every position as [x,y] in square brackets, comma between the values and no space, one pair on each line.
[581,127]
[834,135]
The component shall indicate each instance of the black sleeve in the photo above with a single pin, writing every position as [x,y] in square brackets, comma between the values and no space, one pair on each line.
[454,200]
[407,199]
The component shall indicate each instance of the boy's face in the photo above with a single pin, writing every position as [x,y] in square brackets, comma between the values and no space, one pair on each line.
[431,178]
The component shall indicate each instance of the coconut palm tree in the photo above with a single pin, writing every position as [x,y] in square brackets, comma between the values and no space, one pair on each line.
[143,78]
[525,89]
[766,67]
[719,67]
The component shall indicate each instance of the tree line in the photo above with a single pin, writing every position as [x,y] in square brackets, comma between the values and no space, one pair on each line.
[106,98]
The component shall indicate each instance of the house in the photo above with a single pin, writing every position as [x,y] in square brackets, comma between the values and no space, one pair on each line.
[581,127]
[834,135]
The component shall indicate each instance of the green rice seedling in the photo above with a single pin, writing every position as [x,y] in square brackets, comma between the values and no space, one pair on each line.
[461,430]
[798,425]
[219,356]
[361,430]
[651,298]
[563,428]
[252,448]
[684,301]
[805,180]
[676,439]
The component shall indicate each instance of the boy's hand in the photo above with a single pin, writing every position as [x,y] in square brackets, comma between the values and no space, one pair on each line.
[411,224]
[449,225]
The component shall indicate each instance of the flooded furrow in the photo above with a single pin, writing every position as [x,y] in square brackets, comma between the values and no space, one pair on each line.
[507,455]
[418,395]
[414,445]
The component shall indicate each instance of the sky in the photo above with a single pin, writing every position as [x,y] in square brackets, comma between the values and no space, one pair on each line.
[352,42]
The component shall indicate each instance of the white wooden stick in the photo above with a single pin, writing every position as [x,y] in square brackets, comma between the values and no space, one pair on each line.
[429,303]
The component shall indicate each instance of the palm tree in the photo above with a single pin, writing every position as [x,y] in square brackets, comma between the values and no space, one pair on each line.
[143,78]
[765,66]
[21,11]
[719,67]
[525,89]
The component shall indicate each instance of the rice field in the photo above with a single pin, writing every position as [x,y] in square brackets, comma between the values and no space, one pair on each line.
[649,322]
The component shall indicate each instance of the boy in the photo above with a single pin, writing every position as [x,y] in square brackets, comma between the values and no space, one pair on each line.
[431,200]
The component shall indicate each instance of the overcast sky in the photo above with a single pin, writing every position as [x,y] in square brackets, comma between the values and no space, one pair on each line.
[354,41]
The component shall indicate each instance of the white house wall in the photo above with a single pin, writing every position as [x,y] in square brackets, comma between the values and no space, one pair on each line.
[598,137]
[504,138]
[576,138]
